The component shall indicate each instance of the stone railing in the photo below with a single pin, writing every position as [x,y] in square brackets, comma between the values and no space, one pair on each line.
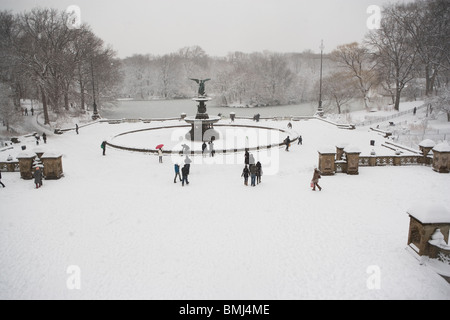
[396,160]
[9,166]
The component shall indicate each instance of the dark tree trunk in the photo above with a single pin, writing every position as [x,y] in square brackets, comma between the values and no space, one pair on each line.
[44,105]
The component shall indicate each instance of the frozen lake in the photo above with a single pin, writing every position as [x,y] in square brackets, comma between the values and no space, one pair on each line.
[173,108]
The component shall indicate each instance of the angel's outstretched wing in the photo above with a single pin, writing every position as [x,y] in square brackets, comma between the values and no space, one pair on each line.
[196,80]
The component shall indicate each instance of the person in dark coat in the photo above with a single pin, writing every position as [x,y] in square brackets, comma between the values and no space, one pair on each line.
[1,179]
[253,175]
[247,157]
[211,149]
[44,137]
[289,125]
[32,111]
[204,146]
[315,180]
[300,140]
[76,128]
[103,146]
[177,173]
[258,172]
[37,139]
[287,141]
[185,174]
[245,174]
[187,164]
[38,177]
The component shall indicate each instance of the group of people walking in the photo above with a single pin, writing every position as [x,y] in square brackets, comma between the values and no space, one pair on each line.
[25,111]
[185,170]
[211,149]
[251,170]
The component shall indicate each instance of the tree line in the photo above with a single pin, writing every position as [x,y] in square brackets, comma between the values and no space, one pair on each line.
[43,57]
[408,55]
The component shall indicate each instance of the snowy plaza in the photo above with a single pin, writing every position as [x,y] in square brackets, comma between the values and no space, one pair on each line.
[131,232]
[194,151]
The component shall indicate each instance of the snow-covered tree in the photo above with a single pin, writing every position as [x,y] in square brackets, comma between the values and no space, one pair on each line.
[441,102]
[339,88]
[355,60]
[8,112]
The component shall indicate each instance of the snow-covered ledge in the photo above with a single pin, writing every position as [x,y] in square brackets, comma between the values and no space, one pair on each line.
[441,157]
[425,219]
[429,233]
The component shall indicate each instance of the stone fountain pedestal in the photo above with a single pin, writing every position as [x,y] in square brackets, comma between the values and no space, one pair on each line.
[202,125]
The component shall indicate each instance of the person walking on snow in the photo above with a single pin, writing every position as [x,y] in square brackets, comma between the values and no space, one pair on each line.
[300,140]
[204,146]
[76,128]
[287,141]
[258,172]
[185,174]
[211,149]
[1,180]
[38,177]
[187,164]
[245,174]
[44,137]
[177,173]
[160,154]
[253,175]
[103,146]
[315,180]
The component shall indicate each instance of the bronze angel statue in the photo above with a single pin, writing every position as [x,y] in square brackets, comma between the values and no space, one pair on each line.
[201,86]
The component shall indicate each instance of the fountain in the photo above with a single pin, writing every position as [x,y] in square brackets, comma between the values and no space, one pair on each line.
[202,128]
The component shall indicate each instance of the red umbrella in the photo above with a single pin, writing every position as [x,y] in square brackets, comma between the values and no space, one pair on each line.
[159,146]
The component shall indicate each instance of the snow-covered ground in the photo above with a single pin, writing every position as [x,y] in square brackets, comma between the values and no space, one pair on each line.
[132,233]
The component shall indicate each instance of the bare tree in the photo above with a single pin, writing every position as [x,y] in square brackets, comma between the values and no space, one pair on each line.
[441,103]
[428,24]
[340,88]
[356,60]
[392,46]
[8,112]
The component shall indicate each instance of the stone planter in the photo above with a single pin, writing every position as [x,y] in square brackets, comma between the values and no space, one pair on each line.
[327,157]
[26,164]
[424,221]
[352,155]
[53,169]
[441,158]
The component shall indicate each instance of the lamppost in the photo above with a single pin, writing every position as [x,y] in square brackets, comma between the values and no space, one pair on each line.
[320,109]
[95,116]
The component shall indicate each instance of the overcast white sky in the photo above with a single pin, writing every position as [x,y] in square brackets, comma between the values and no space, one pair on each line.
[218,26]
